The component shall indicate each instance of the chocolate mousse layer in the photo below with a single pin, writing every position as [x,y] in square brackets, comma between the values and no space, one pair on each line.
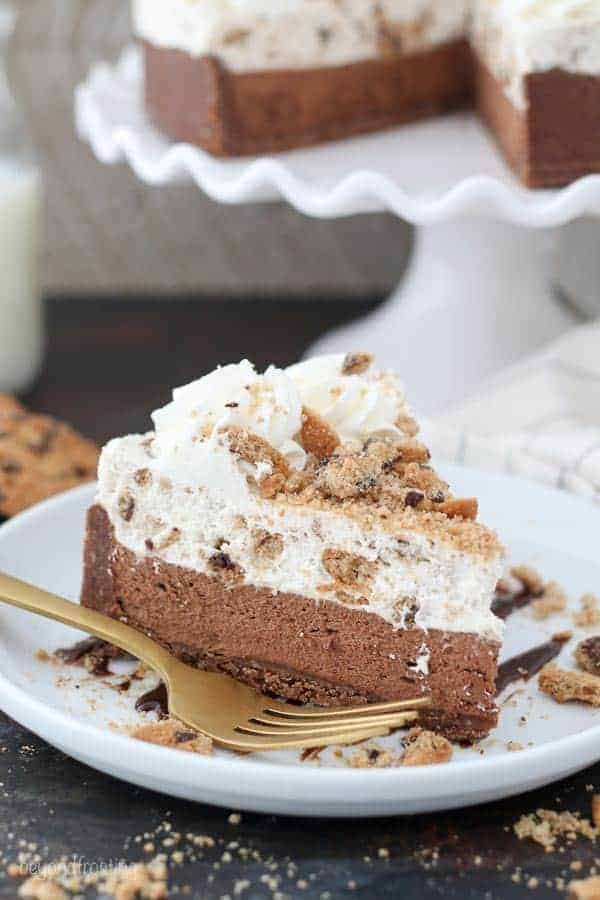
[556,138]
[198,100]
[291,646]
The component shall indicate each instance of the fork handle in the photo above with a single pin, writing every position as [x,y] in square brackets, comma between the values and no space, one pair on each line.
[32,599]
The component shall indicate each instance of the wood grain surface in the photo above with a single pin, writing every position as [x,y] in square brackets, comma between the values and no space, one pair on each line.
[125,355]
[108,233]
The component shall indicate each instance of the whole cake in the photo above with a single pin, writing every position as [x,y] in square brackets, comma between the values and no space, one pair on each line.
[288,529]
[254,76]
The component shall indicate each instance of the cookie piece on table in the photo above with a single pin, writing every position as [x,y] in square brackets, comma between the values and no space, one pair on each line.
[8,404]
[39,457]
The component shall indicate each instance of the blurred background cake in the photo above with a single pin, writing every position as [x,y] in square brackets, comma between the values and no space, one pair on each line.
[240,78]
[254,76]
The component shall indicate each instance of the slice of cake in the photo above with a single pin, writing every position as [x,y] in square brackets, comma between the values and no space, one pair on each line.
[254,76]
[288,529]
[538,84]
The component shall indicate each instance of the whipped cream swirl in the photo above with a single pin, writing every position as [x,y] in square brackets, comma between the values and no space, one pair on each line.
[356,406]
[268,405]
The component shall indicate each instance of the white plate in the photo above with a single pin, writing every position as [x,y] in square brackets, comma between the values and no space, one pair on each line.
[554,531]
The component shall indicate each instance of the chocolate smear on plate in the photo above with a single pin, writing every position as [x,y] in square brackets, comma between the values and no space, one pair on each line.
[525,665]
[156,700]
[93,653]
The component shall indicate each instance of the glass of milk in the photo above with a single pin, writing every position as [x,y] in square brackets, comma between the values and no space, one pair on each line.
[21,327]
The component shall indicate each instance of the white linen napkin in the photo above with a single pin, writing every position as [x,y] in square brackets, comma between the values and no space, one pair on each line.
[539,418]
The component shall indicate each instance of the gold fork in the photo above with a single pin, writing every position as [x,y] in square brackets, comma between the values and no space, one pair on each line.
[233,715]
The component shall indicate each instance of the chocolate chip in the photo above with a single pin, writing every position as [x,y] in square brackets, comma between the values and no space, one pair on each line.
[181,737]
[149,544]
[373,755]
[10,467]
[222,561]
[389,464]
[413,498]
[324,35]
[42,445]
[366,484]
[232,405]
[126,507]
[438,497]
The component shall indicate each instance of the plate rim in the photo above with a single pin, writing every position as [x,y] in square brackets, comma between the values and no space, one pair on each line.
[438,776]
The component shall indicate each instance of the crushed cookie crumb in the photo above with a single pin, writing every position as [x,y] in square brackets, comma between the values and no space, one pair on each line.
[126,506]
[587,654]
[349,569]
[552,600]
[530,578]
[267,547]
[143,477]
[407,425]
[222,564]
[254,449]
[356,363]
[589,611]
[171,733]
[372,758]
[65,878]
[465,508]
[317,436]
[564,686]
[546,827]
[171,538]
[425,748]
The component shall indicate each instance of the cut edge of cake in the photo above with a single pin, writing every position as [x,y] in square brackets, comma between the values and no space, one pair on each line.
[224,81]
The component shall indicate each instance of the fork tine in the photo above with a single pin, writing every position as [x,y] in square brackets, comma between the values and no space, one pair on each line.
[281,725]
[287,711]
[255,743]
[325,731]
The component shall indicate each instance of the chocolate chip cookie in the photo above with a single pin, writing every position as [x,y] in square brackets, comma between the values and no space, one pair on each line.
[39,457]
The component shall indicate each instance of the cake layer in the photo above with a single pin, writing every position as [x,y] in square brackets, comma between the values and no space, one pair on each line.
[198,100]
[290,645]
[555,137]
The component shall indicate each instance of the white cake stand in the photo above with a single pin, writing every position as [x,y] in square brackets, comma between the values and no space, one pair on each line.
[480,291]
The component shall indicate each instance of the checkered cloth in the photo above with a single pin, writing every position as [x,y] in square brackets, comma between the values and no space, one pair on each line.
[539,419]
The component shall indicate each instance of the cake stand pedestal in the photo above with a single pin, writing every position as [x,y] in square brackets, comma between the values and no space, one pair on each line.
[480,291]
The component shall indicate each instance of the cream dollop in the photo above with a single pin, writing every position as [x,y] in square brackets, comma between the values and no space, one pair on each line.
[356,406]
[268,405]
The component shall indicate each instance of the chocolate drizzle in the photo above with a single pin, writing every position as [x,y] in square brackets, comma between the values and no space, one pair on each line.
[156,700]
[507,602]
[526,665]
[93,653]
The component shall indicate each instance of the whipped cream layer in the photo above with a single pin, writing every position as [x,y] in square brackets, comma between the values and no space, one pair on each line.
[518,37]
[181,494]
[186,524]
[253,35]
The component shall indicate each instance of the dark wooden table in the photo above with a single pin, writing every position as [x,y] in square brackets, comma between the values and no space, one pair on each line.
[108,365]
